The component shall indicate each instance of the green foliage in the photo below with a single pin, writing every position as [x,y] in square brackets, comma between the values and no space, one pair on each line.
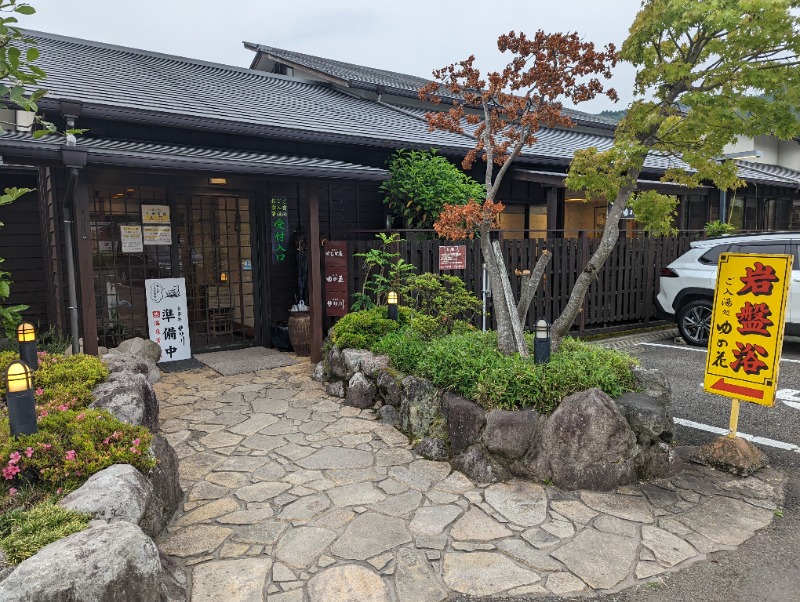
[10,316]
[421,183]
[471,365]
[719,228]
[61,380]
[362,329]
[71,446]
[656,212]
[53,341]
[384,271]
[440,301]
[25,532]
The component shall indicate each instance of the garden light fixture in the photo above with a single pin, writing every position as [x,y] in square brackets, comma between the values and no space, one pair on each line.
[20,399]
[541,341]
[391,299]
[26,337]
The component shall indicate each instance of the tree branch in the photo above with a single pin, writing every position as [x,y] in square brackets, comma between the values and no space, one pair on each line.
[531,284]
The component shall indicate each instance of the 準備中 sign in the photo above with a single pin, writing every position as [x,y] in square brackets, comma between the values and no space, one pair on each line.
[167,318]
[747,323]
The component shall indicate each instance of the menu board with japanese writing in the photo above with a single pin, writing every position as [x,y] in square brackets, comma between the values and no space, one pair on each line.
[335,256]
[453,257]
[280,227]
[167,318]
[747,323]
[155,214]
[131,239]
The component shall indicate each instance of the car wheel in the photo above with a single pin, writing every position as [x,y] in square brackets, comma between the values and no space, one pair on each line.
[694,322]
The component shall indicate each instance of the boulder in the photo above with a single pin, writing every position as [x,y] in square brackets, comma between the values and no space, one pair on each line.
[736,456]
[336,364]
[361,393]
[420,408]
[138,347]
[478,466]
[511,433]
[117,493]
[432,448]
[374,365]
[389,415]
[129,397]
[658,461]
[649,418]
[122,362]
[320,373]
[585,444]
[167,492]
[652,383]
[352,360]
[335,389]
[173,580]
[465,420]
[388,388]
[106,562]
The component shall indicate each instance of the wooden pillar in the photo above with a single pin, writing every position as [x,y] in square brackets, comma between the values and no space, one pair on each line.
[555,211]
[85,275]
[315,271]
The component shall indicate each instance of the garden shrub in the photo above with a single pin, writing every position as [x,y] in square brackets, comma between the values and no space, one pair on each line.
[25,532]
[440,301]
[71,446]
[405,347]
[362,329]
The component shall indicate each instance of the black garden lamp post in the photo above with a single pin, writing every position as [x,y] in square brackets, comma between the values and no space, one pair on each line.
[26,337]
[20,400]
[391,299]
[541,341]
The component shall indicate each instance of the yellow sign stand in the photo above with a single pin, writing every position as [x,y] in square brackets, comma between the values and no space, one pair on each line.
[747,324]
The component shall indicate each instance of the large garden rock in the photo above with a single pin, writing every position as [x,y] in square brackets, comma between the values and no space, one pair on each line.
[373,365]
[388,388]
[420,408]
[122,362]
[167,492]
[336,364]
[361,392]
[432,448]
[320,373]
[117,493]
[649,418]
[335,389]
[658,461]
[585,444]
[129,397]
[138,347]
[465,420]
[478,466]
[511,433]
[651,382]
[104,563]
[353,359]
[173,580]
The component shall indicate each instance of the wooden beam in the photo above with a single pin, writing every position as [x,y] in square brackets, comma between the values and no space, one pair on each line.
[315,271]
[85,276]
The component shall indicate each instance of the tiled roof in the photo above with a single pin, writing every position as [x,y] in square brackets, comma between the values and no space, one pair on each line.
[124,83]
[359,76]
[167,156]
[762,173]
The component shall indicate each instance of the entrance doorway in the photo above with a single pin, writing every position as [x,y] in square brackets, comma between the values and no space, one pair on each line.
[210,247]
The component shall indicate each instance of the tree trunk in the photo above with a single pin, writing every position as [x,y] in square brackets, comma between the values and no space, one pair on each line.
[531,284]
[516,324]
[608,241]
[505,335]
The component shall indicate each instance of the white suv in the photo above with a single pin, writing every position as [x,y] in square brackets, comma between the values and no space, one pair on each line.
[687,284]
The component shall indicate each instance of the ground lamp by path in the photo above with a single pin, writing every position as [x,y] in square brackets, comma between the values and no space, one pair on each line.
[391,299]
[26,337]
[20,399]
[541,341]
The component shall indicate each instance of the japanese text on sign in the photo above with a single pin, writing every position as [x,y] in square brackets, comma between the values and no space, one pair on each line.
[167,317]
[280,227]
[336,278]
[453,257]
[155,214]
[748,318]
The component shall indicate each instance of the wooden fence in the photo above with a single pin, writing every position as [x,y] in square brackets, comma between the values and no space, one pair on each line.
[623,292]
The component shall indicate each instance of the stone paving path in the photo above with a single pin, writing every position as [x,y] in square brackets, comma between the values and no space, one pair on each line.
[291,496]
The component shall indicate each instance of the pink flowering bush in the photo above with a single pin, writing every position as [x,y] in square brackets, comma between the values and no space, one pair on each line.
[70,447]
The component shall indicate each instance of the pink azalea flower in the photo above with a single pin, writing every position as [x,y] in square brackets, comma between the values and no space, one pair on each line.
[80,416]
[10,471]
[59,491]
[70,454]
[14,457]
[28,452]
[39,391]
[12,491]
[46,446]
[136,441]
[63,408]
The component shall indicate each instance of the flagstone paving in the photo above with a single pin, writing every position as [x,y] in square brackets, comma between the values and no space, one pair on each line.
[292,497]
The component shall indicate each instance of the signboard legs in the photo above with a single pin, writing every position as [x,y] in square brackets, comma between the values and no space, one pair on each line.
[734,418]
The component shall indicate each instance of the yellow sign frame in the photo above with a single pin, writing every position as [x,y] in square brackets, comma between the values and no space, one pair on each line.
[747,323]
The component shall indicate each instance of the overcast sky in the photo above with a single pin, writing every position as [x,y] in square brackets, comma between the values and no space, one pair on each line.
[408,36]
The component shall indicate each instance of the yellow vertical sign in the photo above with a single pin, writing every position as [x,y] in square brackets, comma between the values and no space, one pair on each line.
[747,323]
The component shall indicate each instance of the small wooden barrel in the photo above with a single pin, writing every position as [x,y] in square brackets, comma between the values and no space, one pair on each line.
[300,332]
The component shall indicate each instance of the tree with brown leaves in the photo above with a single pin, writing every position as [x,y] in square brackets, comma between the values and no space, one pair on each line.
[504,111]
